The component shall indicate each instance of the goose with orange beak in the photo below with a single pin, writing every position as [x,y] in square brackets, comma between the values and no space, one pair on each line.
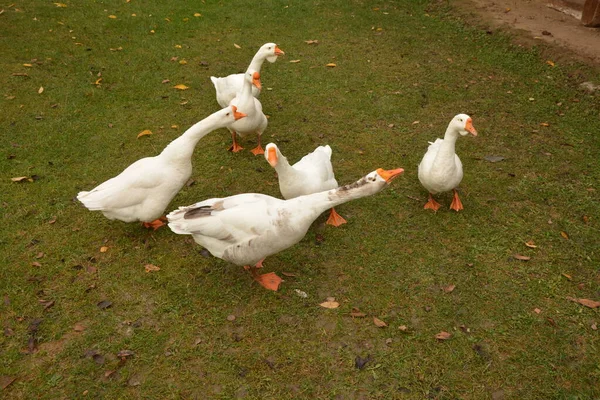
[440,169]
[246,228]
[312,174]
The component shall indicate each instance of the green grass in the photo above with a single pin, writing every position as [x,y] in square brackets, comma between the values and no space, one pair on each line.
[392,260]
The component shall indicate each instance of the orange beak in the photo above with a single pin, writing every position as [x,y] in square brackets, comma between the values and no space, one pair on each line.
[256,80]
[390,174]
[272,156]
[236,114]
[469,127]
[278,51]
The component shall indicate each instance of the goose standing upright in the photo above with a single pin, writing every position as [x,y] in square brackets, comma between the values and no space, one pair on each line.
[312,174]
[440,169]
[143,190]
[227,87]
[255,121]
[246,228]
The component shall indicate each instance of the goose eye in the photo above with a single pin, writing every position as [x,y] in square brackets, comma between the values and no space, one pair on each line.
[460,119]
[228,114]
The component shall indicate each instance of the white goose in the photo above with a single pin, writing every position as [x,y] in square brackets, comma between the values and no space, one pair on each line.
[440,169]
[246,228]
[312,174]
[230,85]
[143,190]
[255,121]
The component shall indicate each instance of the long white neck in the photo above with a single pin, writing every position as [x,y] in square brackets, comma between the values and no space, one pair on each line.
[284,170]
[447,149]
[256,63]
[182,148]
[319,202]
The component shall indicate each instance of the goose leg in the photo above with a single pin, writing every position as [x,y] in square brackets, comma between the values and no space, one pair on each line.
[456,203]
[157,223]
[269,281]
[235,147]
[258,149]
[335,219]
[432,204]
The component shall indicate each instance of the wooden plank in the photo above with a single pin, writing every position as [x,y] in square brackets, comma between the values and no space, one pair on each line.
[590,15]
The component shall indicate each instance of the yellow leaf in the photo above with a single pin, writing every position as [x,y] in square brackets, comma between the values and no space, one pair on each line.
[112,16]
[103,249]
[61,5]
[443,336]
[19,179]
[28,65]
[182,62]
[331,65]
[41,90]
[544,124]
[295,61]
[145,132]
[311,41]
[178,46]
[197,15]
[152,31]
[180,87]
[569,277]
[151,267]
[550,63]
[237,46]
[97,83]
[564,234]
[379,323]
[174,126]
[521,257]
[530,244]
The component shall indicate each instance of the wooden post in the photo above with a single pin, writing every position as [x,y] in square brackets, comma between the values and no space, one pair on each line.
[590,15]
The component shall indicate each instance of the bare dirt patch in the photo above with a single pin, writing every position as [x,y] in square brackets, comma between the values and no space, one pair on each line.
[540,22]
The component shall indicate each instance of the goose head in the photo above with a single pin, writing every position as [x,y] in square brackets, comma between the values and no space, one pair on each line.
[230,114]
[270,51]
[463,124]
[371,183]
[273,155]
[254,78]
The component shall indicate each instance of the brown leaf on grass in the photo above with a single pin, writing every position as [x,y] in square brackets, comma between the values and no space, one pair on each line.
[52,220]
[5,381]
[145,132]
[585,219]
[379,323]
[564,234]
[311,41]
[356,313]
[530,244]
[585,302]
[330,303]
[181,87]
[125,353]
[544,124]
[103,249]
[449,288]
[288,274]
[79,328]
[294,61]
[569,277]
[537,310]
[521,257]
[166,81]
[40,255]
[21,179]
[20,74]
[331,65]
[36,264]
[550,63]
[46,303]
[443,335]
[237,46]
[151,267]
[403,328]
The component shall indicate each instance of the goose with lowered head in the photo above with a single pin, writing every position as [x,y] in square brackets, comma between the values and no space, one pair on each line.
[143,190]
[440,169]
[246,228]
[312,174]
[227,87]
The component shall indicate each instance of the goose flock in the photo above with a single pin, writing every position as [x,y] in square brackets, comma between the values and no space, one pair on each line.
[246,228]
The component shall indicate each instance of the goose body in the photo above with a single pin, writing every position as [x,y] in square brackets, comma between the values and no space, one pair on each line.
[312,174]
[440,169]
[245,228]
[143,190]
[255,121]
[227,87]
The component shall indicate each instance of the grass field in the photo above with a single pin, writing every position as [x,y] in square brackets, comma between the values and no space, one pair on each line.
[83,319]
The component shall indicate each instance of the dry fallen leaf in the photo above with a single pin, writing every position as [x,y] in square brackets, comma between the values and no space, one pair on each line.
[544,124]
[79,328]
[182,62]
[145,132]
[180,87]
[379,323]
[5,381]
[237,46]
[449,288]
[586,302]
[550,63]
[311,41]
[151,267]
[530,244]
[103,249]
[41,90]
[112,16]
[569,277]
[21,179]
[61,5]
[330,303]
[537,310]
[197,15]
[331,65]
[443,335]
[294,61]
[564,234]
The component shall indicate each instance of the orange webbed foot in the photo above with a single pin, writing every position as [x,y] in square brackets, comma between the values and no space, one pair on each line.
[335,219]
[269,281]
[258,150]
[157,223]
[456,203]
[432,204]
[234,148]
